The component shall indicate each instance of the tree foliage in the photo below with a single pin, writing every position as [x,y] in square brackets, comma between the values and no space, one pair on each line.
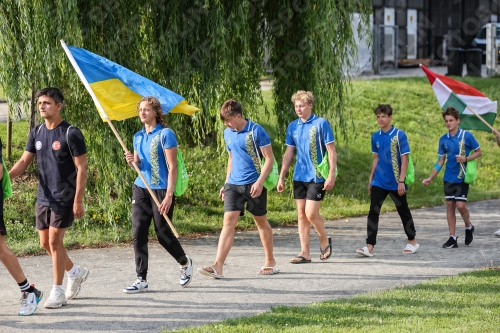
[205,50]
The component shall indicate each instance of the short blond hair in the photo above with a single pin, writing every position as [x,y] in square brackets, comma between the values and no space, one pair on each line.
[304,96]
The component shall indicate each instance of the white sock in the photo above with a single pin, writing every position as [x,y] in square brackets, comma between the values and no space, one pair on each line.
[469,228]
[57,287]
[74,271]
[454,237]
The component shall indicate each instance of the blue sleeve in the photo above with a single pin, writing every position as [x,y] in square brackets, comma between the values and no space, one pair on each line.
[472,142]
[168,138]
[326,132]
[441,150]
[404,147]
[374,146]
[289,141]
[226,139]
[262,139]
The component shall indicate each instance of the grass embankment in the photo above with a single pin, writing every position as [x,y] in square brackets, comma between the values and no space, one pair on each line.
[199,211]
[464,303]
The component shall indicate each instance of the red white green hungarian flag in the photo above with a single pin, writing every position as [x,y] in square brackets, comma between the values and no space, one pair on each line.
[453,93]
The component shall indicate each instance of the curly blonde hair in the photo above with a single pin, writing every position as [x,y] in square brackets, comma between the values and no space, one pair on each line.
[156,106]
[304,96]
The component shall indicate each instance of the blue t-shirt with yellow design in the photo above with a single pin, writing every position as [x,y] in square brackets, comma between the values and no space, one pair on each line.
[149,149]
[242,146]
[460,144]
[309,138]
[389,146]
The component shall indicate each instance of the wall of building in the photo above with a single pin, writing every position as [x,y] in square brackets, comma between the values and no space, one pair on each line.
[440,22]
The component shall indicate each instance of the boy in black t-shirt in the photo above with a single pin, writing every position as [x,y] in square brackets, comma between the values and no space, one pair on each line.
[30,295]
[62,165]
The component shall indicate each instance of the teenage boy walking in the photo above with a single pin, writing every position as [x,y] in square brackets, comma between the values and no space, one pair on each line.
[454,148]
[62,166]
[244,184]
[30,295]
[390,162]
[310,136]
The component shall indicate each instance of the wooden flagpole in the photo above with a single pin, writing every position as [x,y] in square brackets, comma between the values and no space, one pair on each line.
[481,118]
[106,119]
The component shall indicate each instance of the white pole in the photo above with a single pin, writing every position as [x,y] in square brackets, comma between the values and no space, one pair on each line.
[84,80]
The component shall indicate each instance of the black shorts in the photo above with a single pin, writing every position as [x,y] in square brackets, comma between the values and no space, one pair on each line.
[309,191]
[456,191]
[235,197]
[56,217]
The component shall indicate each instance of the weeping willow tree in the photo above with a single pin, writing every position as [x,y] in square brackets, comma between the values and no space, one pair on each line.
[311,46]
[205,50]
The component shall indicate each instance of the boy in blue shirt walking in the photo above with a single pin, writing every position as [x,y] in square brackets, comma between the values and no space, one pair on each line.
[246,142]
[390,162]
[310,136]
[454,148]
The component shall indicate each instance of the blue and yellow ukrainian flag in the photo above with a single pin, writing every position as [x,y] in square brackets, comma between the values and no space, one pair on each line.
[118,89]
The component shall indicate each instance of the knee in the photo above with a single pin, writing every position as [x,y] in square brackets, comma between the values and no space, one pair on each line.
[462,208]
[261,222]
[3,253]
[312,215]
[54,244]
[45,244]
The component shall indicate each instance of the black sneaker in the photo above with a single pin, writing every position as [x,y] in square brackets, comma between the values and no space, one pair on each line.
[469,235]
[451,243]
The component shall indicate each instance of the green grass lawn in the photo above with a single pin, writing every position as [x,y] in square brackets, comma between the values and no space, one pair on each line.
[416,111]
[465,303]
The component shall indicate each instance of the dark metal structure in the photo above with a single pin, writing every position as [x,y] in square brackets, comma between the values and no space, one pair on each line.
[426,28]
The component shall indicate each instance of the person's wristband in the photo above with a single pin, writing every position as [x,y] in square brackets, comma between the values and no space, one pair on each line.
[465,159]
[437,167]
[401,182]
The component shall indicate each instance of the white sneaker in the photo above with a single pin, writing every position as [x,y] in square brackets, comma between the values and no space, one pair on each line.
[75,284]
[497,233]
[138,286]
[29,302]
[186,273]
[56,299]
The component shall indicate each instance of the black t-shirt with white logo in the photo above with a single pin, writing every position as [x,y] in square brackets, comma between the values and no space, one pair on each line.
[57,171]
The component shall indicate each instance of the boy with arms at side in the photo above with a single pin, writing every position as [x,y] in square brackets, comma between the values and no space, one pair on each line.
[454,148]
[390,162]
[244,184]
[62,165]
[310,136]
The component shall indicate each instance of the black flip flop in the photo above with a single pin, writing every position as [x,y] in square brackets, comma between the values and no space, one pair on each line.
[326,249]
[302,260]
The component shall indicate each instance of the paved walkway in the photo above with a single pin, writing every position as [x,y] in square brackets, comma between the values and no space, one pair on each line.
[103,307]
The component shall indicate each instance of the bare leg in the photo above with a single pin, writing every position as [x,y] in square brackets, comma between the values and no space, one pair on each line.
[312,213]
[464,212]
[52,241]
[266,237]
[226,240]
[451,217]
[10,261]
[304,229]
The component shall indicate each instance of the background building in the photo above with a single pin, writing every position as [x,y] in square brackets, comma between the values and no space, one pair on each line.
[427,27]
